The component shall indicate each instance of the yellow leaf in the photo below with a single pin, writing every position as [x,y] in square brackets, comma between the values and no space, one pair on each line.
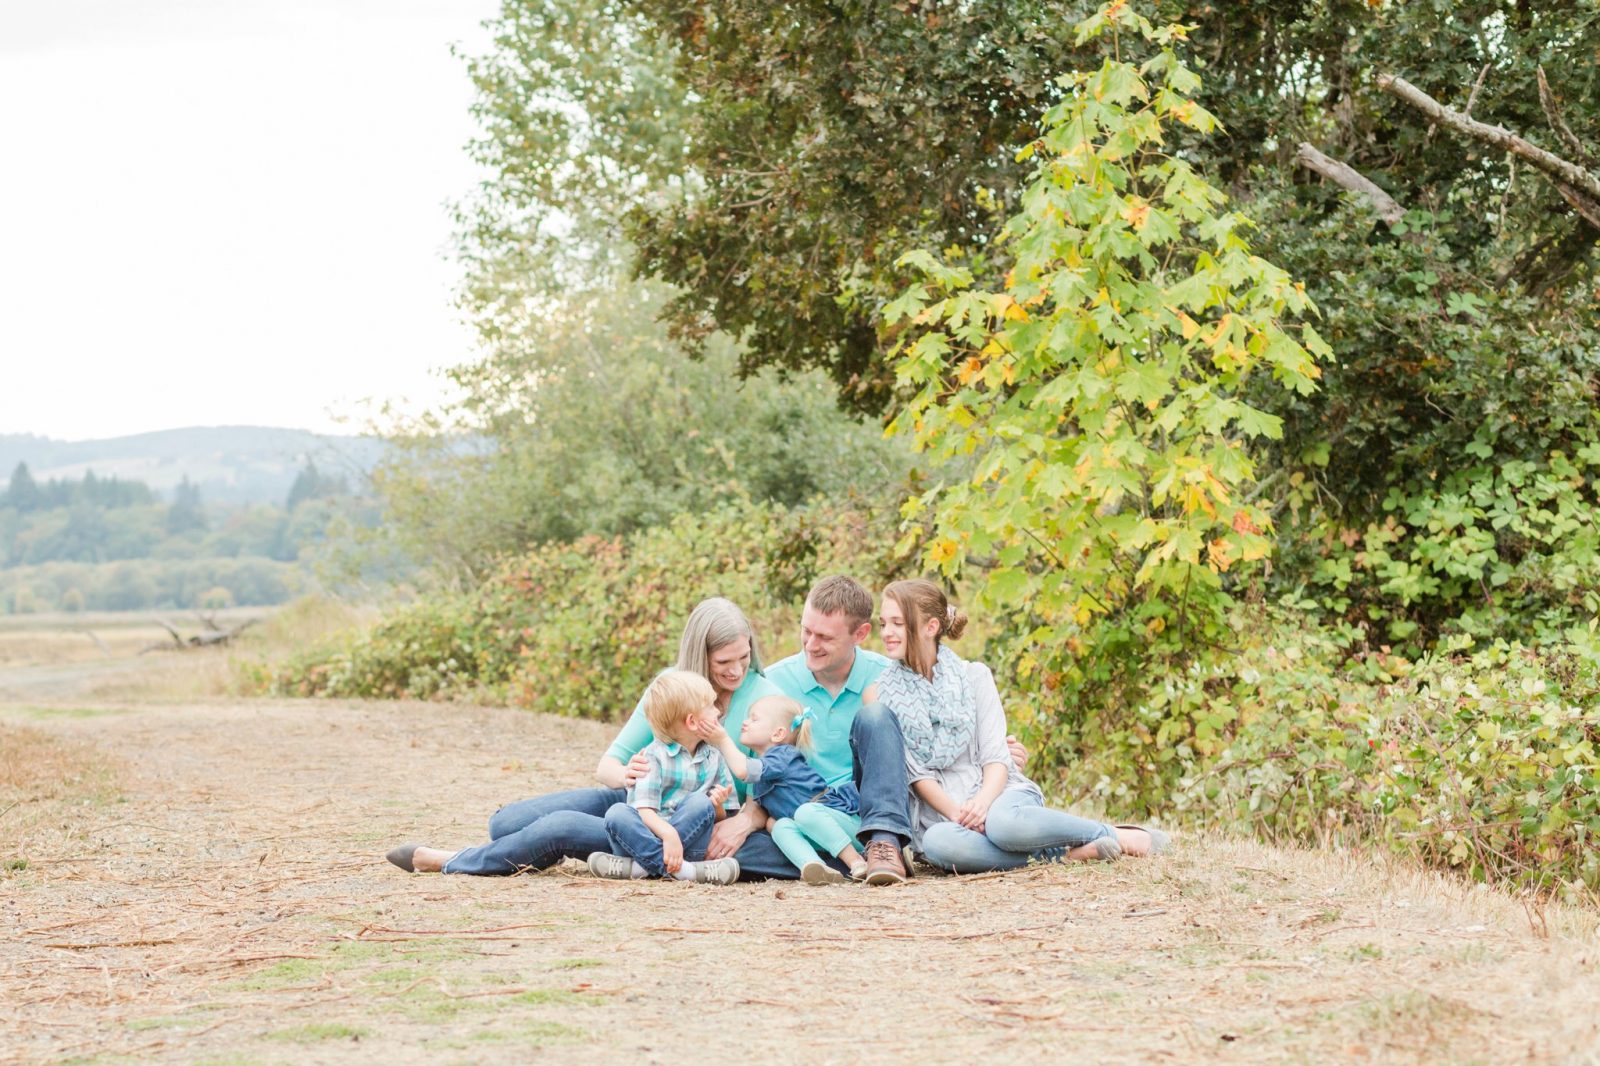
[1136,212]
[969,370]
[1189,326]
[1221,555]
[942,551]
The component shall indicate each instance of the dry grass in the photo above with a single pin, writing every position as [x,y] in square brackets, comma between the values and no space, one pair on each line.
[45,782]
[58,659]
[237,906]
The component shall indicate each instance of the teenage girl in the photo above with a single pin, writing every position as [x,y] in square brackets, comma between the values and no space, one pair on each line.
[972,809]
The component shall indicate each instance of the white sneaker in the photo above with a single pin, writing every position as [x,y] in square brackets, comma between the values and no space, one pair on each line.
[614,867]
[712,871]
[820,873]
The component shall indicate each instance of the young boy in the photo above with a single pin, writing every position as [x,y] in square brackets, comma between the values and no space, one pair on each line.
[663,828]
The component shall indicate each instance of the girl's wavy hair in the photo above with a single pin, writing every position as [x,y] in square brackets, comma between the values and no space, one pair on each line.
[920,600]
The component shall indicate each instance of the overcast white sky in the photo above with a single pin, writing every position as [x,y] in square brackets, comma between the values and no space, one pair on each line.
[227,211]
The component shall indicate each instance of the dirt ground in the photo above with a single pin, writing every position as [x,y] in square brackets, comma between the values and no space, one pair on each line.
[206,883]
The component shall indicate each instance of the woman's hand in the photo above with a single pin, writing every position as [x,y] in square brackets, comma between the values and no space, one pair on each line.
[637,767]
[1019,754]
[974,813]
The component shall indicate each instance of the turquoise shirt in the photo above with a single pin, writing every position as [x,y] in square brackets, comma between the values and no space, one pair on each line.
[636,733]
[832,715]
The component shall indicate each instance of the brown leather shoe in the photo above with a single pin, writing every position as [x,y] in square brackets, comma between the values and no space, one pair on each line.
[884,866]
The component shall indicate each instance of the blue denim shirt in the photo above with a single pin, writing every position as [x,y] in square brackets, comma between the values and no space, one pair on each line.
[781,780]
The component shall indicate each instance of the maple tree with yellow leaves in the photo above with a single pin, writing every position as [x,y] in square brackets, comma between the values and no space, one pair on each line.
[1100,395]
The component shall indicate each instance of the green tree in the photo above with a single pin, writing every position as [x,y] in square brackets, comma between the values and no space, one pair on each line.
[1102,391]
[186,514]
[810,146]
[23,492]
[311,484]
[605,427]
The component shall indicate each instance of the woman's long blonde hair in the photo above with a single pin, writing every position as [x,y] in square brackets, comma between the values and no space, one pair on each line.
[714,623]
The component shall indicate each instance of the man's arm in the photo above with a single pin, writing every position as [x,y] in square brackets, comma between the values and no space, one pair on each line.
[731,833]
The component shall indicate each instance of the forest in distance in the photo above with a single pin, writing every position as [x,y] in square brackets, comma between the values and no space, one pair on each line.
[109,544]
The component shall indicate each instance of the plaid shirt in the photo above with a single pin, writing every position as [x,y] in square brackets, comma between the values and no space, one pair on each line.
[676,772]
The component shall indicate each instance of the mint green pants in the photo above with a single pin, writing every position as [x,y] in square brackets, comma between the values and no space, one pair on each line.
[813,824]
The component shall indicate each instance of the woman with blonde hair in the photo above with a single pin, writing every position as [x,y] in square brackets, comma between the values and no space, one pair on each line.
[719,644]
[972,809]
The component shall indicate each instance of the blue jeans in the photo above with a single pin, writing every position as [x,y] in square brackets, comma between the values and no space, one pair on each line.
[1019,828]
[535,833]
[631,837]
[879,758]
[879,752]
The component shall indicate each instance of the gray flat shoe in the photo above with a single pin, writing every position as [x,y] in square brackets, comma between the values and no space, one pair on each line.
[403,855]
[1160,843]
[1108,848]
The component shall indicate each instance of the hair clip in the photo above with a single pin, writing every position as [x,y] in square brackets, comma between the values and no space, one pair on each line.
[801,718]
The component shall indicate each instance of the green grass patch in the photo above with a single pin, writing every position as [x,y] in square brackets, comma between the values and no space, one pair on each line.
[534,1034]
[348,954]
[42,714]
[318,1032]
[170,1021]
[575,964]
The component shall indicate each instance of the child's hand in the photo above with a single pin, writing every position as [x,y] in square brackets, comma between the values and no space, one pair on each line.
[974,813]
[710,727]
[672,852]
[718,795]
[637,767]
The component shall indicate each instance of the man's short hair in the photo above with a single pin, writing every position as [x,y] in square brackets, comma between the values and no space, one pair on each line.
[842,595]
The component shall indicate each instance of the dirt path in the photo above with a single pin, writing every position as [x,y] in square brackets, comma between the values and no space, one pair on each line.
[208,884]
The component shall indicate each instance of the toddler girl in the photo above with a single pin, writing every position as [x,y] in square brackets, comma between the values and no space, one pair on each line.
[803,811]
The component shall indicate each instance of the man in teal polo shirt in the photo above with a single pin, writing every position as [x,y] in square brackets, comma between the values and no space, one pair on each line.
[853,741]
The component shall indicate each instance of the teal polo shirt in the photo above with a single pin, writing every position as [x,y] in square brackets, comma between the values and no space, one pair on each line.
[832,716]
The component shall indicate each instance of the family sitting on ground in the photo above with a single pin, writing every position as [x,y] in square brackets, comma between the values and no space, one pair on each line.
[846,761]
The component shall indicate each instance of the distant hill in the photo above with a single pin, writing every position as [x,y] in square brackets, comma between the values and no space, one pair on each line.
[231,464]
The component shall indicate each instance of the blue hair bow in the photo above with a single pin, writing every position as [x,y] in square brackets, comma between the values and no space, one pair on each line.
[801,718]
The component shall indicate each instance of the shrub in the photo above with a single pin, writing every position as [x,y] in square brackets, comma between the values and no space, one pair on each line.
[1484,762]
[579,628]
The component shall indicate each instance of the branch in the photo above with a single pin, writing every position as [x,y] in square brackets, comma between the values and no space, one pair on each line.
[1564,172]
[1347,177]
[1553,112]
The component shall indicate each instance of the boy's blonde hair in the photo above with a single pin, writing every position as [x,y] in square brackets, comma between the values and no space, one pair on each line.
[799,736]
[672,697]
